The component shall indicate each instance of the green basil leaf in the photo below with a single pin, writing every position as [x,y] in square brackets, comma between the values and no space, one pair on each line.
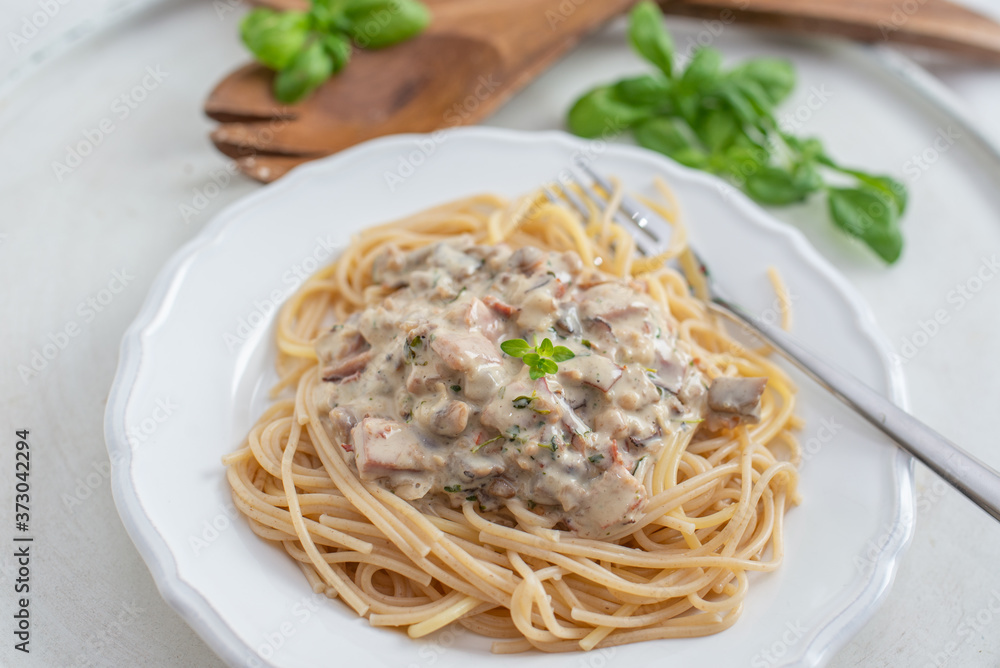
[379,23]
[717,129]
[886,185]
[531,359]
[535,373]
[737,100]
[644,90]
[649,37]
[807,176]
[515,347]
[602,111]
[774,185]
[339,48]
[562,353]
[758,98]
[775,76]
[274,38]
[705,68]
[548,366]
[669,137]
[310,68]
[545,348]
[870,216]
[742,158]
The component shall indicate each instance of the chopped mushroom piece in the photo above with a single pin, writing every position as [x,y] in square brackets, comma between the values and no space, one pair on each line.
[734,401]
[345,368]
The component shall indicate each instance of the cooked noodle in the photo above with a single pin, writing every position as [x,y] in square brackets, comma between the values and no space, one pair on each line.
[716,500]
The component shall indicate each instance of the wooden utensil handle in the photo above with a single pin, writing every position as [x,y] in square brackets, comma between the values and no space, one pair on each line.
[937,24]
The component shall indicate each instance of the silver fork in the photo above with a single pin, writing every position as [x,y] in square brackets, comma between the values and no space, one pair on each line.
[971,477]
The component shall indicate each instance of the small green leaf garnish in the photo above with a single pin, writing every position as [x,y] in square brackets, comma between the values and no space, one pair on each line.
[485,443]
[410,354]
[456,388]
[453,488]
[595,458]
[542,360]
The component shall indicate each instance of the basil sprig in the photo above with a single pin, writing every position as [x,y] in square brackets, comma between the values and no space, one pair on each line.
[307,48]
[723,121]
[542,359]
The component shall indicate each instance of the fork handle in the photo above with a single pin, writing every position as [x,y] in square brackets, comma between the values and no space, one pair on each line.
[971,477]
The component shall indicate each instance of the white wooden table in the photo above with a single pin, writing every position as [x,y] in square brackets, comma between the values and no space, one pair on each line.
[105,156]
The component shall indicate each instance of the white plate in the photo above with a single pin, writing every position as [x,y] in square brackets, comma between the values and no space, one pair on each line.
[196,363]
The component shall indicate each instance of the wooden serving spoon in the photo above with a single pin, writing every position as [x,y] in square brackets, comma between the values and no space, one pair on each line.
[477,53]
[472,58]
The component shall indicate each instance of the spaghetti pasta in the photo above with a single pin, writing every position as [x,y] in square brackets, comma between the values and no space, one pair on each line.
[716,500]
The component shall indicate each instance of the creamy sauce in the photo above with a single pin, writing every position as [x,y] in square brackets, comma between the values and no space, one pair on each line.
[422,399]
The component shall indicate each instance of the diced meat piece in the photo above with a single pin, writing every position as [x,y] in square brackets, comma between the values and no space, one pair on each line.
[569,417]
[526,259]
[501,488]
[465,352]
[537,310]
[388,268]
[637,391]
[386,447]
[599,325]
[517,407]
[479,316]
[450,420]
[395,269]
[669,371]
[339,343]
[346,368]
[454,260]
[594,370]
[343,421]
[569,322]
[612,302]
[502,308]
[612,502]
[732,401]
[476,467]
